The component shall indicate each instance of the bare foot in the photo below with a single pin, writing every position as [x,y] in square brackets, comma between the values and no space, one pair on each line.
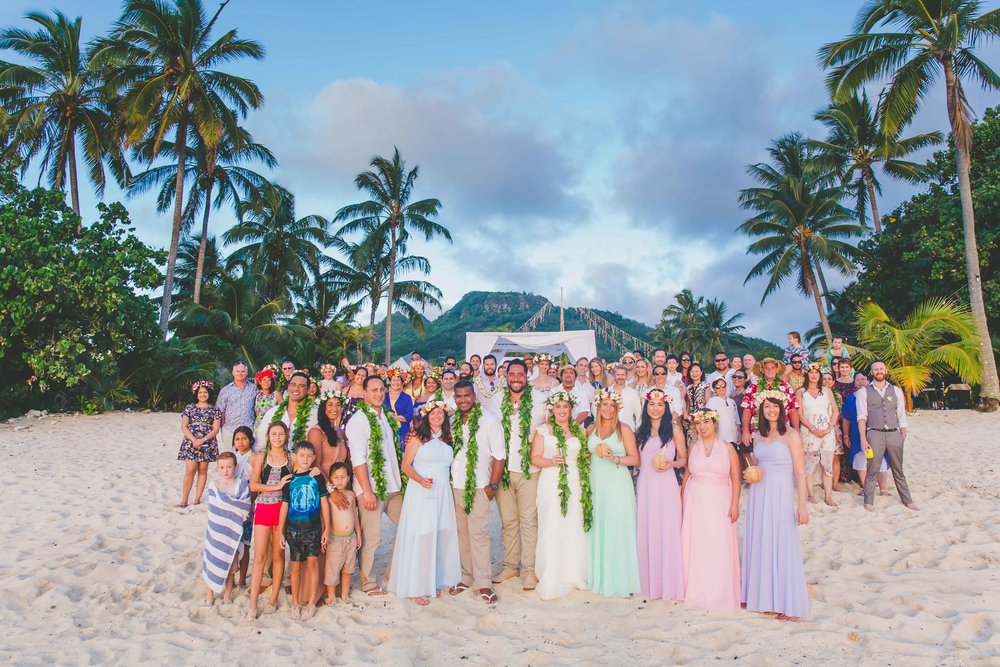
[829,501]
[912,507]
[422,601]
[812,499]
[782,617]
[269,608]
[197,501]
[181,505]
[252,614]
[305,613]
[869,507]
[883,492]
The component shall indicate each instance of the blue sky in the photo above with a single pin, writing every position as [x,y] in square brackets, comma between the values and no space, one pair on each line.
[595,145]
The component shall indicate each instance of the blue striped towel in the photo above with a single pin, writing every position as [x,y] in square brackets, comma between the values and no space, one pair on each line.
[226,515]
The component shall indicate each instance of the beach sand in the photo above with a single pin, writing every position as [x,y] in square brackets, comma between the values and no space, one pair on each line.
[99,567]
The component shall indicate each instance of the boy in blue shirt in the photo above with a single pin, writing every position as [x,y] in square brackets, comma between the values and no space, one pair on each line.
[304,526]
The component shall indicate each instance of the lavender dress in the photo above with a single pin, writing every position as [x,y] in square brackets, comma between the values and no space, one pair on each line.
[773,575]
[661,574]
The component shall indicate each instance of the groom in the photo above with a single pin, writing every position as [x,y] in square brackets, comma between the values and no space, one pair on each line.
[478,445]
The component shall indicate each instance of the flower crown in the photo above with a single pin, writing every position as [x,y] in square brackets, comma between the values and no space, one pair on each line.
[396,372]
[558,397]
[657,395]
[419,362]
[273,368]
[435,372]
[207,384]
[773,394]
[430,406]
[702,414]
[604,394]
[325,366]
[539,358]
[332,393]
[265,373]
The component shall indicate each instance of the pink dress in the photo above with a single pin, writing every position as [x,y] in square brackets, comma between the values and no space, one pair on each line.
[709,549]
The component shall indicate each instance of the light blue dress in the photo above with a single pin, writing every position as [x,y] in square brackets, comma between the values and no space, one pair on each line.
[773,575]
[614,558]
[425,558]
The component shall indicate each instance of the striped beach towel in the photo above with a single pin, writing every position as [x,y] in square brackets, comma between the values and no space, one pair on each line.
[222,536]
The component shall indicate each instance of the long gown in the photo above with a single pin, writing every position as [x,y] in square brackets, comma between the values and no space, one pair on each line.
[614,563]
[425,557]
[773,574]
[661,574]
[709,549]
[562,557]
[819,451]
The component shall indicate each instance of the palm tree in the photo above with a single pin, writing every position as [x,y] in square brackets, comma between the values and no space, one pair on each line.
[277,246]
[858,141]
[161,61]
[389,213]
[683,319]
[56,101]
[799,221]
[933,38]
[212,166]
[721,331]
[319,307]
[186,272]
[938,337]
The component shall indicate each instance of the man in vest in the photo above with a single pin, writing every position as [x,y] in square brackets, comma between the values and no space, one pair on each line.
[882,423]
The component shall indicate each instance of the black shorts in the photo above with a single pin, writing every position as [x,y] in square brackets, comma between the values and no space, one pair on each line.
[303,544]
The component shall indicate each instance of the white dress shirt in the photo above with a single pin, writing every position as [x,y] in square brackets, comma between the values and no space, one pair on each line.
[358,432]
[489,447]
[630,413]
[728,420]
[862,402]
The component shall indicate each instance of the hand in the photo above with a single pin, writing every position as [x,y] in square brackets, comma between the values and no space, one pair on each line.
[339,500]
[369,501]
[802,516]
[323,541]
[734,513]
[426,482]
[284,544]
[314,471]
[284,480]
[558,460]
[746,437]
[602,450]
[490,493]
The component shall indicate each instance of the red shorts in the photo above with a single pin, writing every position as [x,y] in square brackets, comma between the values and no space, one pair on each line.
[266,514]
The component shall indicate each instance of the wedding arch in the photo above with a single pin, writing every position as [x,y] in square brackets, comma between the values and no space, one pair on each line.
[504,344]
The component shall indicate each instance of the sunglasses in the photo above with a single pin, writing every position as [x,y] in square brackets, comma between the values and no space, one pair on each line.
[685,358]
[740,377]
[796,363]
[719,361]
[630,361]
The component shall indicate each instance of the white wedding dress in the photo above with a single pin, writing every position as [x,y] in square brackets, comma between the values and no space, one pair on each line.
[562,555]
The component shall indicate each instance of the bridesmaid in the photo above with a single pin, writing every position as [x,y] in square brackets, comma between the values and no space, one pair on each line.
[711,492]
[662,452]
[425,558]
[398,402]
[614,566]
[774,580]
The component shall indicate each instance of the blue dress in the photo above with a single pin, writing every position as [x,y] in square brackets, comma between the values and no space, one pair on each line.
[403,408]
[425,558]
[773,575]
[614,557]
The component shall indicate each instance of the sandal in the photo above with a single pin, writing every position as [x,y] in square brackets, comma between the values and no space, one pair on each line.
[376,592]
[422,601]
[458,589]
[489,598]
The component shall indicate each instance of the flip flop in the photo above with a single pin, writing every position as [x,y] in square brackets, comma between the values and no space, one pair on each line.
[423,602]
[489,598]
[376,593]
[458,589]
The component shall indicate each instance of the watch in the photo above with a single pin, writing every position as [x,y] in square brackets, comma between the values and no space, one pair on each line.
[494,486]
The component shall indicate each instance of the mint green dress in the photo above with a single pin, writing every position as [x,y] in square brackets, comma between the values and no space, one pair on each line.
[614,560]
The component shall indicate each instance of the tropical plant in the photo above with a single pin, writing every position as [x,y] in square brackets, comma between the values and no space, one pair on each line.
[721,331]
[929,39]
[858,142]
[389,213]
[162,62]
[319,307]
[938,337]
[54,103]
[109,391]
[799,222]
[186,271]
[681,318]
[699,325]
[165,374]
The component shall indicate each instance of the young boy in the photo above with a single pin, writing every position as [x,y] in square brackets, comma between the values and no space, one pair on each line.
[304,526]
[228,506]
[346,539]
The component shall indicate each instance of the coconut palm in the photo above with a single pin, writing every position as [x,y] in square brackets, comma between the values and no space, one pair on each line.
[683,319]
[53,102]
[161,60]
[212,166]
[213,266]
[937,337]
[799,222]
[921,41]
[721,331]
[320,308]
[858,142]
[389,213]
[277,246]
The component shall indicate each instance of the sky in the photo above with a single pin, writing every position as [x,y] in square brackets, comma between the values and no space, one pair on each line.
[596,146]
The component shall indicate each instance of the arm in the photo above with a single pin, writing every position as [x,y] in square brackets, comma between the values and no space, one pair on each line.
[734,482]
[745,422]
[357,432]
[901,410]
[221,402]
[537,452]
[412,445]
[498,452]
[631,457]
[799,471]
[798,411]
[836,412]
[282,518]
[861,405]
[187,432]
[216,426]
[327,524]
[315,437]
[496,472]
[681,447]
[367,495]
[357,520]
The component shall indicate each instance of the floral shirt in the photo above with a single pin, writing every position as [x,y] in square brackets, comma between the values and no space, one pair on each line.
[792,350]
[238,405]
[750,401]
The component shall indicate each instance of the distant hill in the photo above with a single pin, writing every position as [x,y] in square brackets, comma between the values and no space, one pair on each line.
[501,311]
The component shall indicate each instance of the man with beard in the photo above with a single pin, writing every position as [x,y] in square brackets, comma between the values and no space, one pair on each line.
[489,386]
[520,415]
[768,371]
[882,426]
[581,411]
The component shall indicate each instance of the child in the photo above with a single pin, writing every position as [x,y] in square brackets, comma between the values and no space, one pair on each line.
[272,471]
[243,446]
[304,526]
[342,555]
[328,383]
[228,507]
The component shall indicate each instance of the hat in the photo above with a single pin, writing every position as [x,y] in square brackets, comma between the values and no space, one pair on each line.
[758,368]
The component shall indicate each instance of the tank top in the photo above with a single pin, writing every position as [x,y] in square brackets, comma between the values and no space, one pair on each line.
[271,476]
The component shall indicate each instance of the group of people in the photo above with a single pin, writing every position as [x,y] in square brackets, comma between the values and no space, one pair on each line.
[620,480]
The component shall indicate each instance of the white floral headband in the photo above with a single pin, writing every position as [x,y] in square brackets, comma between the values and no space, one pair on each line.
[333,393]
[539,358]
[604,394]
[779,396]
[430,406]
[559,397]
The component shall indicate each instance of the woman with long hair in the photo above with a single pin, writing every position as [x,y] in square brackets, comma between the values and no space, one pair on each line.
[599,374]
[643,376]
[818,417]
[662,453]
[398,402]
[200,424]
[267,395]
[329,429]
[697,393]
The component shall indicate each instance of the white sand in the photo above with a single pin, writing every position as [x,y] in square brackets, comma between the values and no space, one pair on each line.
[99,567]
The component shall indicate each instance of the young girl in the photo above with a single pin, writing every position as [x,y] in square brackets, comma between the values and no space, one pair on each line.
[243,447]
[328,383]
[272,470]
[228,506]
[200,423]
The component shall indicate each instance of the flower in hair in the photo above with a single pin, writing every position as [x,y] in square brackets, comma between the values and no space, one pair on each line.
[430,406]
[207,384]
[539,358]
[702,414]
[604,394]
[778,396]
[657,395]
[332,393]
[558,397]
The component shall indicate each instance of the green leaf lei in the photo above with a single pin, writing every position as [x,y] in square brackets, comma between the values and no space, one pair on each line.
[376,458]
[583,467]
[471,452]
[524,428]
[301,419]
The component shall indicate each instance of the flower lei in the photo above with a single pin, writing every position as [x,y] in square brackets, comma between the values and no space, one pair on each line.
[301,419]
[483,392]
[523,429]
[376,458]
[471,452]
[583,467]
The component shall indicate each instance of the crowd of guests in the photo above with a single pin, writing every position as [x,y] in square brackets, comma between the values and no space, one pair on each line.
[619,478]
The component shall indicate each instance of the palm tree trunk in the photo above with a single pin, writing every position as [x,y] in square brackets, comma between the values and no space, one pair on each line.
[175,233]
[871,198]
[814,289]
[74,185]
[392,280]
[989,397]
[204,242]
[826,290]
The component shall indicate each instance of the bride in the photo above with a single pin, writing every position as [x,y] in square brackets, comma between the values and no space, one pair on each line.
[544,383]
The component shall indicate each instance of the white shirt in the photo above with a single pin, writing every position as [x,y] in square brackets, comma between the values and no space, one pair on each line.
[490,403]
[630,413]
[261,443]
[489,447]
[358,432]
[533,375]
[449,399]
[538,414]
[862,402]
[728,377]
[726,407]
[584,395]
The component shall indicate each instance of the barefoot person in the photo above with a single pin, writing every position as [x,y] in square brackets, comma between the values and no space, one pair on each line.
[228,507]
[426,555]
[375,455]
[475,478]
[882,425]
[272,470]
[200,424]
[520,414]
[345,537]
[818,417]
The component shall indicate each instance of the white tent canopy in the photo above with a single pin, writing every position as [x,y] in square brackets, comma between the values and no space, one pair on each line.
[502,344]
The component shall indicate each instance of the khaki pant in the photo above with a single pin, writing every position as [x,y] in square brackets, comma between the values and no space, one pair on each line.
[520,523]
[474,539]
[371,535]
[890,445]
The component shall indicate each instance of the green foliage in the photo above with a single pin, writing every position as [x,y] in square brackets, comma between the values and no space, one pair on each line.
[68,302]
[702,327]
